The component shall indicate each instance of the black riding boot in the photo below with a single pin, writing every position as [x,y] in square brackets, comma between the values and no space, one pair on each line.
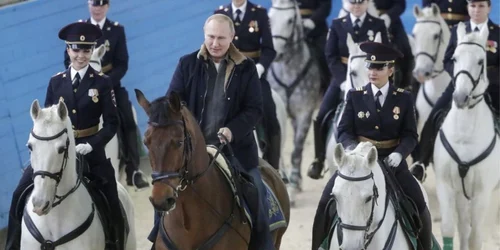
[425,234]
[316,168]
[322,223]
[14,234]
[274,150]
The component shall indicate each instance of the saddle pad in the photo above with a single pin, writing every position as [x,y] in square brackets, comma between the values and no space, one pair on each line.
[276,215]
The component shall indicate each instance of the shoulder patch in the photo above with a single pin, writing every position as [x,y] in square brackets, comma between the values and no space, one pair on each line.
[400,90]
[115,23]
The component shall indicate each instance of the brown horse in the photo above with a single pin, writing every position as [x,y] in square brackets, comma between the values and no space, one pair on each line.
[198,203]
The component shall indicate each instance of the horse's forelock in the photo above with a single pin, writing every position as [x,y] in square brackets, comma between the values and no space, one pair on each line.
[473,37]
[159,111]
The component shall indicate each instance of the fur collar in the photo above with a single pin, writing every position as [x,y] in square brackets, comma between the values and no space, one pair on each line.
[233,52]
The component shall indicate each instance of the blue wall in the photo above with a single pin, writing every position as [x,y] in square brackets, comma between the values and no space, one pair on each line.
[158,31]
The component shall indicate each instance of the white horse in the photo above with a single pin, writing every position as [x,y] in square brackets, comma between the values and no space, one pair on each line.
[431,36]
[467,136]
[295,76]
[360,194]
[357,76]
[59,202]
[112,148]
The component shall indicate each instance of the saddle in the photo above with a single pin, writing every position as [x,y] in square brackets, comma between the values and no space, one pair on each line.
[245,191]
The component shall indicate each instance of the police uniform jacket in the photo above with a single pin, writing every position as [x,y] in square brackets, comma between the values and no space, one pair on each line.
[94,98]
[253,36]
[396,120]
[336,50]
[115,61]
[318,11]
[243,97]
[492,53]
[453,11]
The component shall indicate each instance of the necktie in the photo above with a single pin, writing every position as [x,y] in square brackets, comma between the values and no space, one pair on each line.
[76,82]
[377,101]
[238,18]
[476,29]
[356,25]
[98,26]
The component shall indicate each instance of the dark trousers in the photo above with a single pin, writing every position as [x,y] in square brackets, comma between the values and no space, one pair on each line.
[403,77]
[128,131]
[99,166]
[330,101]
[270,120]
[317,44]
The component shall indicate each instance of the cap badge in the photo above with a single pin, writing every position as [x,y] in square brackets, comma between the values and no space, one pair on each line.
[82,38]
[373,58]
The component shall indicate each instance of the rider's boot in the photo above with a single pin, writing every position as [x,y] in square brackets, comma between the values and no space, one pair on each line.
[425,234]
[322,223]
[274,150]
[14,234]
[316,168]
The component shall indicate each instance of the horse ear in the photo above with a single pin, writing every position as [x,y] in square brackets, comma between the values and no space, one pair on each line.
[141,99]
[62,110]
[372,156]
[338,155]
[435,10]
[174,101]
[460,31]
[35,109]
[417,12]
[378,38]
[350,43]
[101,51]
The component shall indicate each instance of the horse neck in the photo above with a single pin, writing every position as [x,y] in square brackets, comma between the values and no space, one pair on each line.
[379,210]
[435,86]
[467,126]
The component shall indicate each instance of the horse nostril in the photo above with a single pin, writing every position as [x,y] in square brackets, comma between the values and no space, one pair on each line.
[427,74]
[170,201]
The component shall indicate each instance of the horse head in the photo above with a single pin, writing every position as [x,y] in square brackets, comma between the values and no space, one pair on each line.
[357,73]
[469,74]
[431,35]
[97,55]
[51,144]
[286,26]
[169,138]
[355,192]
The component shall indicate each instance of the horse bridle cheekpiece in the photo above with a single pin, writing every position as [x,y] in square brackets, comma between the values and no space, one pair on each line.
[289,40]
[440,37]
[55,176]
[474,82]
[183,172]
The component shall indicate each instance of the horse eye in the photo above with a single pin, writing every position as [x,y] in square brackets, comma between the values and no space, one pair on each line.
[61,149]
[290,21]
[413,35]
[436,36]
[179,143]
[30,147]
[481,62]
[354,73]
[453,59]
[368,199]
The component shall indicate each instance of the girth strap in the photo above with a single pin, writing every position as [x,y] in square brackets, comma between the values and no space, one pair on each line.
[51,245]
[463,167]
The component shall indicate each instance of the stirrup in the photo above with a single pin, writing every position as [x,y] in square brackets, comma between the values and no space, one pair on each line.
[133,180]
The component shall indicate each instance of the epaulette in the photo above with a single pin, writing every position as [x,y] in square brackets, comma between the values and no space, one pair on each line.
[221,7]
[101,74]
[115,23]
[80,20]
[58,73]
[400,90]
[359,89]
[259,6]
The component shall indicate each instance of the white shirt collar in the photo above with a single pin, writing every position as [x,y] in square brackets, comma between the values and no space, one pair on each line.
[243,8]
[384,90]
[101,23]
[81,72]
[478,25]
[361,18]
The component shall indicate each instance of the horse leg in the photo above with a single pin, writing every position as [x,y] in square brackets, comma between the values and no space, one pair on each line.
[446,205]
[303,124]
[464,220]
[478,213]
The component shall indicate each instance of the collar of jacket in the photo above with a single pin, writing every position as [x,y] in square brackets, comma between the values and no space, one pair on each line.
[233,52]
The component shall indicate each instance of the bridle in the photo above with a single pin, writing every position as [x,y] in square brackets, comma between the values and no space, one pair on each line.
[289,41]
[57,176]
[183,172]
[350,72]
[368,236]
[435,55]
[474,81]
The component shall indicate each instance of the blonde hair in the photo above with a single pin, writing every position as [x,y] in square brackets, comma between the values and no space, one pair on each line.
[221,18]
